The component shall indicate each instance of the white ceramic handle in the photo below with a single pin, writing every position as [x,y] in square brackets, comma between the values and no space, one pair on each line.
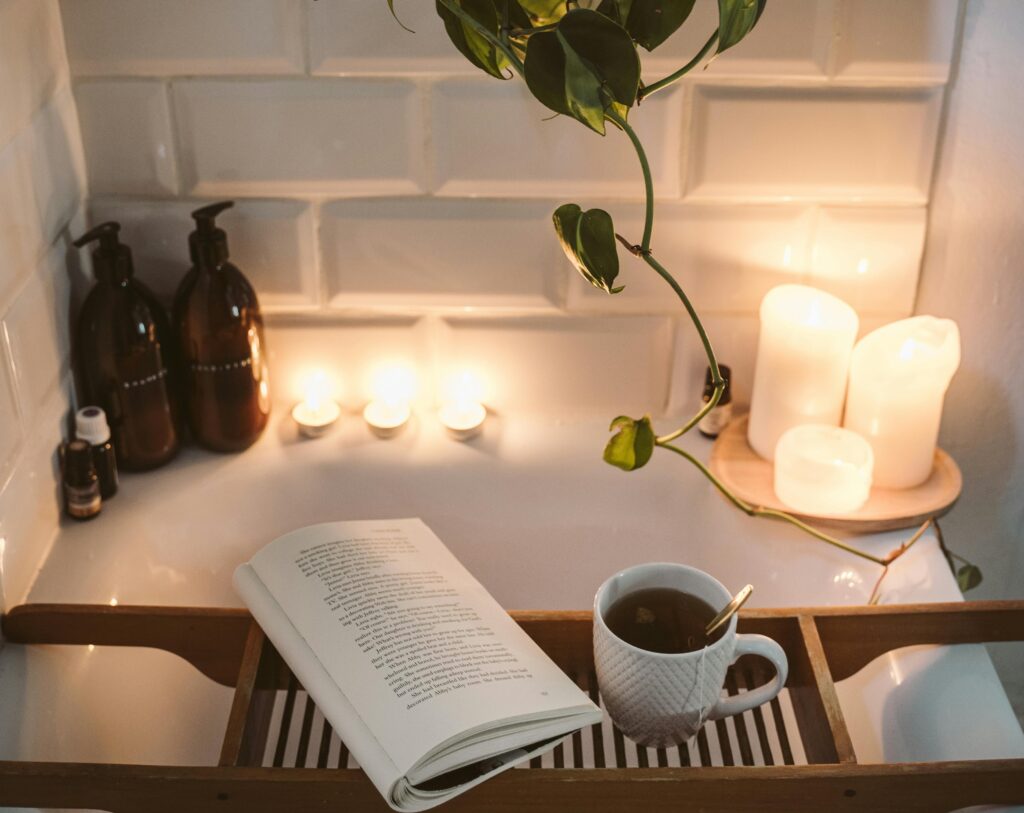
[766,648]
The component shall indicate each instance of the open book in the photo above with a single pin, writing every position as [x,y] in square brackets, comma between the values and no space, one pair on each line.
[428,681]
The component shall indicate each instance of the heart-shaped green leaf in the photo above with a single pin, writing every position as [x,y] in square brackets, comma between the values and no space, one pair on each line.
[543,12]
[583,66]
[631,447]
[588,240]
[651,22]
[471,44]
[391,6]
[736,19]
[968,577]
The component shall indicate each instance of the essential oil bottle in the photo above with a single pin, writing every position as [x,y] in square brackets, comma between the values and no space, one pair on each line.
[91,426]
[81,484]
[712,424]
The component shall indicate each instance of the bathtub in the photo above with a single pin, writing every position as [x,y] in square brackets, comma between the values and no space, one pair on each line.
[528,507]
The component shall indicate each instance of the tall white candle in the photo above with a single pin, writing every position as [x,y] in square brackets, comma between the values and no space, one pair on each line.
[803,356]
[898,379]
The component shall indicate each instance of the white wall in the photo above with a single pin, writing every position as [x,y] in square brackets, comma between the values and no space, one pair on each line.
[42,188]
[974,273]
[380,174]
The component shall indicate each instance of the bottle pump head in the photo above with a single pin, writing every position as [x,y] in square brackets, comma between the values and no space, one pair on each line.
[208,245]
[112,259]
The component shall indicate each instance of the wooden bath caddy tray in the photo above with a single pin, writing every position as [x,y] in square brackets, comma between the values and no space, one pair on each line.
[278,753]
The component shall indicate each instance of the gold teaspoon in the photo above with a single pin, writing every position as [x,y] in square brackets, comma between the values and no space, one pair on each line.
[729,610]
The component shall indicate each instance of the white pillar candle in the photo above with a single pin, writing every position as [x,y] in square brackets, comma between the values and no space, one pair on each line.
[898,379]
[803,354]
[822,470]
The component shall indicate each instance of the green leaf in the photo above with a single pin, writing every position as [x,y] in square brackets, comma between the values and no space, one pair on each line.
[736,19]
[968,577]
[582,67]
[588,240]
[543,12]
[391,6]
[472,45]
[631,447]
[651,22]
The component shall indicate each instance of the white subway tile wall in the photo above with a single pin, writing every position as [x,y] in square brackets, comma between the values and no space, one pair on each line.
[382,177]
[307,137]
[129,38]
[42,190]
[273,240]
[397,251]
[126,129]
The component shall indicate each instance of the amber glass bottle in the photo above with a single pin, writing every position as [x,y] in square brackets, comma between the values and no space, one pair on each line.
[124,355]
[220,340]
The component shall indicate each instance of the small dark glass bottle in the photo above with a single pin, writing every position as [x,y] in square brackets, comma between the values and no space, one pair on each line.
[81,484]
[718,418]
[91,426]
[123,352]
[220,335]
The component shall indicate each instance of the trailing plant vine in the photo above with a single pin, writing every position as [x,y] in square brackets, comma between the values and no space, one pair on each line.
[581,59]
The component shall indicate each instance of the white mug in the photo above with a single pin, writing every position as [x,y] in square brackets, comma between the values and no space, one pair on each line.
[662,699]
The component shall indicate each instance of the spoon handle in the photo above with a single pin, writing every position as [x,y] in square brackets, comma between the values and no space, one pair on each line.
[729,610]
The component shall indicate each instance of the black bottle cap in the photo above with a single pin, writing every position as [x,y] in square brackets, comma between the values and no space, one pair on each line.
[112,259]
[709,385]
[79,470]
[208,245]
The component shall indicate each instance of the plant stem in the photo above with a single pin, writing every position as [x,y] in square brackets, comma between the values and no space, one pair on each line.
[644,251]
[689,66]
[490,36]
[771,513]
[645,167]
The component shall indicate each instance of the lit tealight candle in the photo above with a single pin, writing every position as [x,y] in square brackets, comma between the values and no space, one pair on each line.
[317,411]
[803,355]
[390,409]
[898,379]
[462,413]
[823,470]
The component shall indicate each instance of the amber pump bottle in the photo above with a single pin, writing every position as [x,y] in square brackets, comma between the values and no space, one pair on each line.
[124,352]
[220,335]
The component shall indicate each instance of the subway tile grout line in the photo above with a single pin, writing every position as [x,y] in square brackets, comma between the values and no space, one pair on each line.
[940,136]
[783,81]
[835,37]
[316,210]
[304,36]
[177,138]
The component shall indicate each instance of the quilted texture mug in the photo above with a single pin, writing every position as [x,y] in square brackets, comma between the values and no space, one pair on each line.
[659,699]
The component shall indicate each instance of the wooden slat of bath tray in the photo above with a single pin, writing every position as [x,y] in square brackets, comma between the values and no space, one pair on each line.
[819,642]
[298,736]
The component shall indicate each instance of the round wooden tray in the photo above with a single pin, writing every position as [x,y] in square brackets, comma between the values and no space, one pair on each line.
[751,477]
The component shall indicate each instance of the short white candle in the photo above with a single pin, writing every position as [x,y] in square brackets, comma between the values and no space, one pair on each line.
[390,410]
[803,354]
[386,418]
[898,380]
[464,420]
[317,411]
[822,470]
[462,412]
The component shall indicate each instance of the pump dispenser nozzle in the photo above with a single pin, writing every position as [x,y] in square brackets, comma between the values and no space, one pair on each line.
[112,259]
[208,245]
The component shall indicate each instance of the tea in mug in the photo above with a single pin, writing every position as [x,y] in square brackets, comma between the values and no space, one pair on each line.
[662,619]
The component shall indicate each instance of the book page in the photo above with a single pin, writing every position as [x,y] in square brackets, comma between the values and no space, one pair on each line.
[412,639]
